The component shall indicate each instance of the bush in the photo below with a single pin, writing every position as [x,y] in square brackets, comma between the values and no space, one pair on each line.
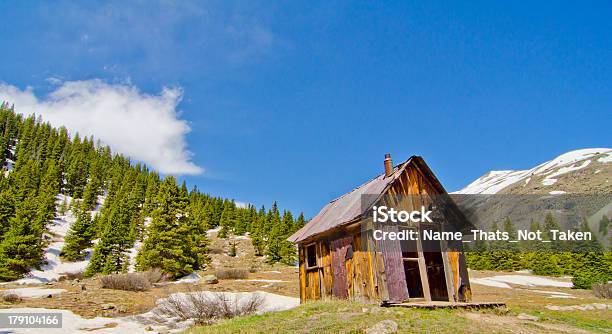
[603,290]
[142,281]
[71,276]
[206,307]
[12,298]
[585,279]
[595,268]
[232,250]
[232,273]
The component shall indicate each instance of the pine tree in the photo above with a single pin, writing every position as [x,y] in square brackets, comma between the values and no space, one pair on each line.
[299,222]
[275,237]
[22,246]
[79,237]
[603,225]
[168,245]
[232,250]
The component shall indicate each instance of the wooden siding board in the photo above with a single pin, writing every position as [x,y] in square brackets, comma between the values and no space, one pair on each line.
[327,272]
[394,267]
[302,271]
[339,248]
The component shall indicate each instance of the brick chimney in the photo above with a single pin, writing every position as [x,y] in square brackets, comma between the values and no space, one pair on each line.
[388,165]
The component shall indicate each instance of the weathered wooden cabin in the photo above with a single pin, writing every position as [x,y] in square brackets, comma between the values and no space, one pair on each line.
[339,257]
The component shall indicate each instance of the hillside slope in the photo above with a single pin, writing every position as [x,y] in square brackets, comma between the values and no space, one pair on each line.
[581,171]
[573,187]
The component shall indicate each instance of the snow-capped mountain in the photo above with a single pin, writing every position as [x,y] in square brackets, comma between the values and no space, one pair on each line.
[581,171]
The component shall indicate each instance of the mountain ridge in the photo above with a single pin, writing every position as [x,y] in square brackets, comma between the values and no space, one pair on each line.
[554,176]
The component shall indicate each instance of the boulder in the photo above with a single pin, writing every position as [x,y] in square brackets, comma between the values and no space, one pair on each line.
[210,279]
[107,306]
[383,327]
[525,316]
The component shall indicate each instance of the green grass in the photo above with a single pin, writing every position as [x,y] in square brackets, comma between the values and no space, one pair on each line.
[597,321]
[348,317]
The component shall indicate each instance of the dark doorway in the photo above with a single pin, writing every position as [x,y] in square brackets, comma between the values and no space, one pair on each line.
[410,258]
[435,269]
[413,279]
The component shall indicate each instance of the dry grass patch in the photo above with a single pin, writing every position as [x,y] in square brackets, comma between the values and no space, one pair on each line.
[233,273]
[11,298]
[141,281]
[207,307]
[603,290]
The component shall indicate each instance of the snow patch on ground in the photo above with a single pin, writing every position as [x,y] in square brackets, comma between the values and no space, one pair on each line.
[191,278]
[213,230]
[557,192]
[584,307]
[32,292]
[605,159]
[528,281]
[270,303]
[73,323]
[554,294]
[490,282]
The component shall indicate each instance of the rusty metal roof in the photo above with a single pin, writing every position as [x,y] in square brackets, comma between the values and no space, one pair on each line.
[348,206]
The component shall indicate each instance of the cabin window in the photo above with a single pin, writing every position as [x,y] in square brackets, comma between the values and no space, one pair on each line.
[311,256]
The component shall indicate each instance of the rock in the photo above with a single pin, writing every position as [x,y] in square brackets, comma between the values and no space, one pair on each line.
[600,306]
[525,316]
[148,328]
[210,279]
[107,306]
[364,310]
[49,296]
[83,287]
[383,327]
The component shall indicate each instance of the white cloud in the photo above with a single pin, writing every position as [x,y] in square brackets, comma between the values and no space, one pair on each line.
[144,127]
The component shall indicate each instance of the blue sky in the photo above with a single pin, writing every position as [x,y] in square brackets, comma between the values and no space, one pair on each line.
[299,101]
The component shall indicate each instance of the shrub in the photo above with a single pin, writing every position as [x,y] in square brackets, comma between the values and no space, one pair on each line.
[141,281]
[232,250]
[71,276]
[233,273]
[206,307]
[603,290]
[12,298]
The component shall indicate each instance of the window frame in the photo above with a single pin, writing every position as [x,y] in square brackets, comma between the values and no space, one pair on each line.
[306,252]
